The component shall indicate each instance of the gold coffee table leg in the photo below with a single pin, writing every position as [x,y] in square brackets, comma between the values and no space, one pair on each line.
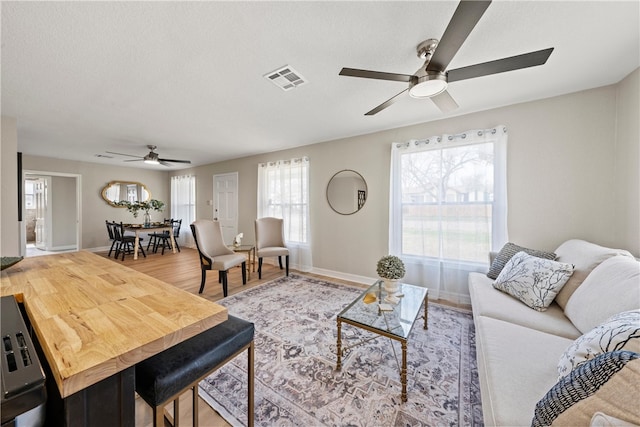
[339,346]
[426,304]
[403,372]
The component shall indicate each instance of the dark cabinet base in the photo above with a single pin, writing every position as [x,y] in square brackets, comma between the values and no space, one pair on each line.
[109,403]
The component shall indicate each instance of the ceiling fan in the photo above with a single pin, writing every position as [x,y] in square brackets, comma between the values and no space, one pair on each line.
[431,80]
[152,158]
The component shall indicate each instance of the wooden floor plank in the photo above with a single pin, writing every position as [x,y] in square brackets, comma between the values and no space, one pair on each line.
[182,270]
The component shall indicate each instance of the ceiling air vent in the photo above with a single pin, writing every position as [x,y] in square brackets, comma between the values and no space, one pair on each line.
[286,78]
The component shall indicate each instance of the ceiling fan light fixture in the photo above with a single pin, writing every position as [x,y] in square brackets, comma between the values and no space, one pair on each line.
[429,85]
[151,161]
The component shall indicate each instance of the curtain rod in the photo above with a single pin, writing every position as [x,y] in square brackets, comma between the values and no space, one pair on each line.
[462,135]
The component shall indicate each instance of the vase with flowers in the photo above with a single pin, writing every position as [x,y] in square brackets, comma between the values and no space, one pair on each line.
[146,206]
[390,268]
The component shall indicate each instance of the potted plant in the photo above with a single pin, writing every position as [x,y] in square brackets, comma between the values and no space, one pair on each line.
[391,269]
[146,206]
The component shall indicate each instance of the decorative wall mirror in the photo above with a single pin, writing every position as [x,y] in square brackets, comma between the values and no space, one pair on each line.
[117,191]
[347,192]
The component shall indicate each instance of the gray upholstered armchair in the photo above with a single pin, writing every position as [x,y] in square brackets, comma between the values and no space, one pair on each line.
[214,254]
[270,241]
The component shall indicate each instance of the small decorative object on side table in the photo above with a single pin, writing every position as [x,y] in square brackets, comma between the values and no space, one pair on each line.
[237,241]
[391,269]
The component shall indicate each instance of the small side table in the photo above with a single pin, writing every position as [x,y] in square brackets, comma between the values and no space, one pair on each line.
[250,250]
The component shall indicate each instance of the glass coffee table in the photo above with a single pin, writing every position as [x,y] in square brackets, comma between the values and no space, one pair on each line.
[394,320]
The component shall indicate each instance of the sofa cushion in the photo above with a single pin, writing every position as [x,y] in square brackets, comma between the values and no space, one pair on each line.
[606,383]
[516,367]
[490,302]
[611,288]
[534,281]
[584,256]
[509,250]
[620,332]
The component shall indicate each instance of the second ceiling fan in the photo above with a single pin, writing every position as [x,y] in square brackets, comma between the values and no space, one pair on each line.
[431,80]
[152,158]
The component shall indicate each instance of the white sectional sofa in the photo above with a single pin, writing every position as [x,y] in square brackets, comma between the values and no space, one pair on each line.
[519,348]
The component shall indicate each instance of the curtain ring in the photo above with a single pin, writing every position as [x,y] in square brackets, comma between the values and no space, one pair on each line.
[464,135]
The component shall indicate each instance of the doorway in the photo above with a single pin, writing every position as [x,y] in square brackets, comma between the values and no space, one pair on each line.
[225,204]
[51,207]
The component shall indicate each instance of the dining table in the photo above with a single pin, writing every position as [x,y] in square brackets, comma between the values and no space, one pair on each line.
[153,228]
[93,320]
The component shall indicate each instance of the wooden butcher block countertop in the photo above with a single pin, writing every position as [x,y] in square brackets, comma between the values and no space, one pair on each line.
[94,317]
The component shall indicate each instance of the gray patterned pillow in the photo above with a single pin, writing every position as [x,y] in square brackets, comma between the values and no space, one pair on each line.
[534,281]
[607,383]
[620,332]
[508,251]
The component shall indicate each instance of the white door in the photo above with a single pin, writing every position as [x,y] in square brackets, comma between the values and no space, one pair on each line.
[40,196]
[225,204]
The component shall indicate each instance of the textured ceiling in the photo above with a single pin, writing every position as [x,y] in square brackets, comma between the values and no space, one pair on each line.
[82,78]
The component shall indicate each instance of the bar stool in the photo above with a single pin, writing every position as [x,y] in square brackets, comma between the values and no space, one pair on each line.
[164,377]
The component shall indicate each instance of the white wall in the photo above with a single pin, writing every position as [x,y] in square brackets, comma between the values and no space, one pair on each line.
[561,161]
[9,230]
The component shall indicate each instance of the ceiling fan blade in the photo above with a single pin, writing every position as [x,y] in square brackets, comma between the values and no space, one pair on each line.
[464,19]
[122,154]
[445,102]
[174,161]
[385,104]
[163,163]
[368,74]
[517,62]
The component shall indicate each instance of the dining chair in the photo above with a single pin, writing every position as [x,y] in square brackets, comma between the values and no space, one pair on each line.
[125,243]
[270,241]
[214,254]
[164,239]
[110,232]
[153,237]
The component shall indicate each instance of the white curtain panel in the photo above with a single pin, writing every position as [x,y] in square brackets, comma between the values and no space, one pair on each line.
[283,192]
[448,208]
[183,206]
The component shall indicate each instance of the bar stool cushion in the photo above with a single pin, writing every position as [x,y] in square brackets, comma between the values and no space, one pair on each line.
[164,375]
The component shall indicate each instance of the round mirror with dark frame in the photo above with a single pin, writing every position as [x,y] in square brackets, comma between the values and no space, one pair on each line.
[117,191]
[346,192]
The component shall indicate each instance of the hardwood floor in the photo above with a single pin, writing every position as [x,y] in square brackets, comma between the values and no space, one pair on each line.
[182,270]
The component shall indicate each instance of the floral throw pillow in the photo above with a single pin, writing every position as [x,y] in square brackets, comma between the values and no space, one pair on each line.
[534,281]
[620,332]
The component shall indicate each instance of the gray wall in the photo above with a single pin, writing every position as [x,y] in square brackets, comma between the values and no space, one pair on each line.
[572,173]
[94,177]
[63,212]
[9,232]
[626,164]
[562,157]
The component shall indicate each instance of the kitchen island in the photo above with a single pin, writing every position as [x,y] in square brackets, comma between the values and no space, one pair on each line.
[94,319]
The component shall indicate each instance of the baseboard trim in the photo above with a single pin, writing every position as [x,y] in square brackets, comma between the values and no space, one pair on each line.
[343,276]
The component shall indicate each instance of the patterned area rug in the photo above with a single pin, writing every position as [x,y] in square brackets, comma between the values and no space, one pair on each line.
[296,381]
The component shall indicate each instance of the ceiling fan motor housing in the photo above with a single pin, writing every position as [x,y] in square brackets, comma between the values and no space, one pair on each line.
[430,84]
